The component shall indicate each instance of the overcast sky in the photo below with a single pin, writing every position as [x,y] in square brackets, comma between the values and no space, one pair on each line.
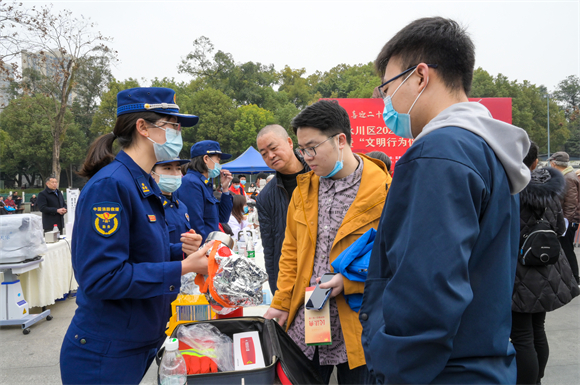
[524,40]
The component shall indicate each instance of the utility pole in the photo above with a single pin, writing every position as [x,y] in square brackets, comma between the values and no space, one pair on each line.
[548,99]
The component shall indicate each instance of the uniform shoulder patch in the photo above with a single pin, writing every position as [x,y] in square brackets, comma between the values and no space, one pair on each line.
[106,218]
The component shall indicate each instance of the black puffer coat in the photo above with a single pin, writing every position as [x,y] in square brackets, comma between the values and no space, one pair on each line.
[543,288]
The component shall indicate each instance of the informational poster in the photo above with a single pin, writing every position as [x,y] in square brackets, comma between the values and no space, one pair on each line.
[72,196]
[369,132]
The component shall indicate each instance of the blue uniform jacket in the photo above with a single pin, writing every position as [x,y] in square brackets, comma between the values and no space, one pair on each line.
[121,260]
[177,220]
[437,300]
[205,211]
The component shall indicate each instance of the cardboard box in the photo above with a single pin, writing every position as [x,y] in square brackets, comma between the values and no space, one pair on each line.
[248,351]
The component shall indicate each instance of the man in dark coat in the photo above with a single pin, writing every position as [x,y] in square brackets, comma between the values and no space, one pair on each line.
[277,149]
[33,203]
[52,205]
[570,201]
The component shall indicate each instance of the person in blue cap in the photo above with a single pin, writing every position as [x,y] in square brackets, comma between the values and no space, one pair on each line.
[196,191]
[120,250]
[167,174]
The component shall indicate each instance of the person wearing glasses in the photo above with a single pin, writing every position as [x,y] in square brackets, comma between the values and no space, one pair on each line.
[121,254]
[331,207]
[277,150]
[438,295]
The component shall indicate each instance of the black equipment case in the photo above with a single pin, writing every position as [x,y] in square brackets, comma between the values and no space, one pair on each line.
[278,349]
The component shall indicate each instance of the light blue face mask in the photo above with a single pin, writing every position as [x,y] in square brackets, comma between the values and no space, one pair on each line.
[168,183]
[215,171]
[246,209]
[400,124]
[243,182]
[172,146]
[337,166]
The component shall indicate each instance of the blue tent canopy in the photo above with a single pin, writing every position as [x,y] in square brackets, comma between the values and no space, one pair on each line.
[250,162]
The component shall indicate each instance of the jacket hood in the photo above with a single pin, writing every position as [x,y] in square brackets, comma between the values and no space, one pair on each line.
[510,143]
[546,184]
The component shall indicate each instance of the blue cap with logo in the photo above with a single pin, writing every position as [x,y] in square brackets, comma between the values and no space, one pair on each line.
[207,147]
[153,99]
[180,161]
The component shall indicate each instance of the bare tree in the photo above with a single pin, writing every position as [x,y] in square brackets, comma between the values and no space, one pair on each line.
[53,47]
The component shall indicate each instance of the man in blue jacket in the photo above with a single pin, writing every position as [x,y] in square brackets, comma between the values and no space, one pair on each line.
[437,300]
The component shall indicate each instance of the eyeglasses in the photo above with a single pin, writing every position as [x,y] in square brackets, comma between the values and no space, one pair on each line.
[399,75]
[176,126]
[311,151]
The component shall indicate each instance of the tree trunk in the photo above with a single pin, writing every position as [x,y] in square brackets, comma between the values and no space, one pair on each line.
[56,156]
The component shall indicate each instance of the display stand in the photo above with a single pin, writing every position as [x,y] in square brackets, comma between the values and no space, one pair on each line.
[14,309]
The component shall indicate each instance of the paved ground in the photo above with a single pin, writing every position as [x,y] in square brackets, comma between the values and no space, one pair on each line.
[34,358]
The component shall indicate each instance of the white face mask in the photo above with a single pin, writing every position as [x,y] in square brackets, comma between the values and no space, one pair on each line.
[172,146]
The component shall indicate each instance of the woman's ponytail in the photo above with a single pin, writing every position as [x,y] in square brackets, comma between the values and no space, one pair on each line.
[100,154]
[101,151]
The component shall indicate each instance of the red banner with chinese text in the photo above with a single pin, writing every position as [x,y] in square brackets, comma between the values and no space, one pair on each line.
[369,132]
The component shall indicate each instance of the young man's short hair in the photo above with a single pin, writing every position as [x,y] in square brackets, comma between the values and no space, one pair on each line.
[433,40]
[235,180]
[532,154]
[242,176]
[327,116]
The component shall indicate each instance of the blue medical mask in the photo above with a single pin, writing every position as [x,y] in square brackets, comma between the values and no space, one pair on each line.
[400,124]
[246,209]
[172,146]
[215,171]
[337,166]
[243,182]
[168,183]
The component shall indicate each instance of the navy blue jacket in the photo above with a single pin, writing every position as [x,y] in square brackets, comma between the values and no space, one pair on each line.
[437,300]
[121,260]
[205,211]
[177,219]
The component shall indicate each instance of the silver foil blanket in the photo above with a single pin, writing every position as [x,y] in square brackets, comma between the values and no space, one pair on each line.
[239,281]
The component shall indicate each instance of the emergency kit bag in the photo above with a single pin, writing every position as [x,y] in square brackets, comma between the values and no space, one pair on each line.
[282,357]
[539,245]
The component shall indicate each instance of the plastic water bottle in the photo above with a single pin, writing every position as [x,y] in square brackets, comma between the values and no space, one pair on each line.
[56,230]
[172,370]
[250,252]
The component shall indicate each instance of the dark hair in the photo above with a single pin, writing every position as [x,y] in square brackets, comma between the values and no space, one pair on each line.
[382,157]
[197,164]
[261,175]
[101,151]
[433,40]
[235,180]
[532,154]
[327,116]
[238,209]
[242,176]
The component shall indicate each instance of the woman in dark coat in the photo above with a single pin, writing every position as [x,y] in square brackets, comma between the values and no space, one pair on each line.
[539,289]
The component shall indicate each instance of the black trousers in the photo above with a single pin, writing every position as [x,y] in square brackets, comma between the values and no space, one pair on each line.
[345,375]
[529,339]
[567,243]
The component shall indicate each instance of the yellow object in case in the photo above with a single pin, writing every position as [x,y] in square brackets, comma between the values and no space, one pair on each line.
[188,308]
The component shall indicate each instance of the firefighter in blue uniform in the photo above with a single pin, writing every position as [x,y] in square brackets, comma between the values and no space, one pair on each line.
[168,175]
[205,211]
[120,249]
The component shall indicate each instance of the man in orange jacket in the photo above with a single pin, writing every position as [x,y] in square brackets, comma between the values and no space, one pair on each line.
[332,206]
